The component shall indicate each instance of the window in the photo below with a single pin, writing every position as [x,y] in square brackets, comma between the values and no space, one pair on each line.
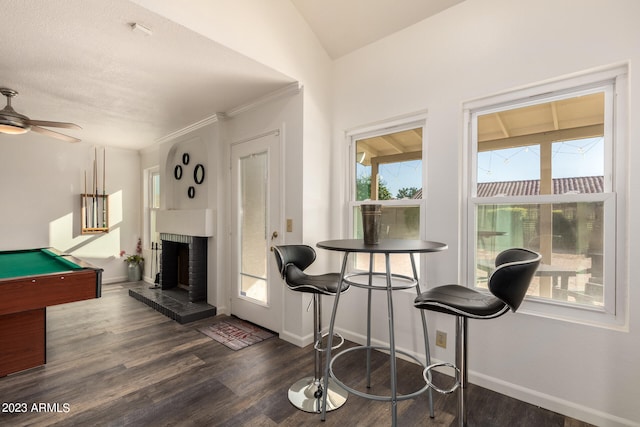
[544,177]
[387,170]
[152,206]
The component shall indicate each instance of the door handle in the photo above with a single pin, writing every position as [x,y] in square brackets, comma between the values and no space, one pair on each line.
[274,235]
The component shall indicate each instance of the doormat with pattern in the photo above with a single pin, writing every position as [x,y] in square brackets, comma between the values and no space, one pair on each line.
[236,333]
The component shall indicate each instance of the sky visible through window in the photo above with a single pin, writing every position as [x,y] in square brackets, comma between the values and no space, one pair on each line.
[570,159]
[574,158]
[396,176]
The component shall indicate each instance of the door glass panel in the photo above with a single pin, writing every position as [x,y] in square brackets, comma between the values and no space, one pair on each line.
[253,227]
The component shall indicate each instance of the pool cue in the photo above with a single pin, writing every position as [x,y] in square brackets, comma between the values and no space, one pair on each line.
[93,200]
[84,202]
[95,188]
[104,185]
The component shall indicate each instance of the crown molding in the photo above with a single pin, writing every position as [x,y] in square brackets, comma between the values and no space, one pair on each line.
[187,129]
[289,90]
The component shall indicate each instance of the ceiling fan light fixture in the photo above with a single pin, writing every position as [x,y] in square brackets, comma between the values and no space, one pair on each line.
[13,123]
[11,128]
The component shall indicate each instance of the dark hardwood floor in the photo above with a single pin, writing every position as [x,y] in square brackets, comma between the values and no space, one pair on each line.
[116,362]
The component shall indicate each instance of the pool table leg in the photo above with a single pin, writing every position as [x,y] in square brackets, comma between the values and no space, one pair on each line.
[22,340]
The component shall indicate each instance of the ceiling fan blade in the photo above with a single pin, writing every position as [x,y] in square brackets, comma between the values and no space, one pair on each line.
[53,134]
[55,124]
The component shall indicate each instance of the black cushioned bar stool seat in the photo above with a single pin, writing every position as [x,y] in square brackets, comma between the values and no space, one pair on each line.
[456,299]
[306,394]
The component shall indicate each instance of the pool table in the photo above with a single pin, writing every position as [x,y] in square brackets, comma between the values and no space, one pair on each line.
[30,281]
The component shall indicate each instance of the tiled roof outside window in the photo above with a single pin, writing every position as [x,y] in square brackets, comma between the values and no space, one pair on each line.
[577,185]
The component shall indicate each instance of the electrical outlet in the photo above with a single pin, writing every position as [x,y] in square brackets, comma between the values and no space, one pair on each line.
[441,339]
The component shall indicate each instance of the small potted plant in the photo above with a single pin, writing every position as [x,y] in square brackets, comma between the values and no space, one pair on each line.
[134,262]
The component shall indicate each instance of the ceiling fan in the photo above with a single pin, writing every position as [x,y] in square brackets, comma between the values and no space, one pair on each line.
[13,123]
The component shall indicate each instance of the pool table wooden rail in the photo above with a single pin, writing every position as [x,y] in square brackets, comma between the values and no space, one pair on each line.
[28,293]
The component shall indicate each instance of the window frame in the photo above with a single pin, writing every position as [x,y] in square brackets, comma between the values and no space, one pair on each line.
[148,204]
[418,120]
[612,82]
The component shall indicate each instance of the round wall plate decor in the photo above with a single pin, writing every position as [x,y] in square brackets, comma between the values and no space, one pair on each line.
[177,172]
[191,192]
[185,159]
[198,174]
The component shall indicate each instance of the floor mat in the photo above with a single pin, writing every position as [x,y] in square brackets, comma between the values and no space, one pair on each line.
[236,333]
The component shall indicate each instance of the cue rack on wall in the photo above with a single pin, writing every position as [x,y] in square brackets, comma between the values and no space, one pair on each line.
[95,204]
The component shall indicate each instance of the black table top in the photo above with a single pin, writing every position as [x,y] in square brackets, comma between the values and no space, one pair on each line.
[397,246]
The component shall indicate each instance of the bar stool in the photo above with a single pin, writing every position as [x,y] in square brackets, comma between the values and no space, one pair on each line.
[508,283]
[306,393]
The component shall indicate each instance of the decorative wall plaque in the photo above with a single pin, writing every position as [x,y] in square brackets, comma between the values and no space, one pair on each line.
[198,174]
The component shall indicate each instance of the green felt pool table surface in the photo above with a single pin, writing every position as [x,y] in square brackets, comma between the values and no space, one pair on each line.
[34,262]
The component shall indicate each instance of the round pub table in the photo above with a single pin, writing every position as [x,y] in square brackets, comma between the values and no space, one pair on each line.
[380,281]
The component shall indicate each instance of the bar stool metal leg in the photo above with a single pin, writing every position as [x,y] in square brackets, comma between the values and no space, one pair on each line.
[325,380]
[427,352]
[369,291]
[307,394]
[461,363]
[392,346]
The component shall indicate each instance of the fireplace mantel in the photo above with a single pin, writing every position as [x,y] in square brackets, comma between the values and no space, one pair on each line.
[189,222]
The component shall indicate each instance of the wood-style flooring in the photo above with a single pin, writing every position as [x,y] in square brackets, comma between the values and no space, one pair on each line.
[114,361]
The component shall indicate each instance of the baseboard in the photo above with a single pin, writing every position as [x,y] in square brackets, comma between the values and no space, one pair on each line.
[224,310]
[362,339]
[552,403]
[112,280]
[297,340]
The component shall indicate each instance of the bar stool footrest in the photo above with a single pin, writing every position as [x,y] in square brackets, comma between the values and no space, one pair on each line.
[426,374]
[380,398]
[317,345]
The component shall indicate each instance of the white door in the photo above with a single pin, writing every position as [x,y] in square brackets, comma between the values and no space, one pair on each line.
[256,293]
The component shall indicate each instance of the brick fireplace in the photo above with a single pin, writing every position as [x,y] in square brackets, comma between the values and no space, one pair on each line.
[182,294]
[184,264]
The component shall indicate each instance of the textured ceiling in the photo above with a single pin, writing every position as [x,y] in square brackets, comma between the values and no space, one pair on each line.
[79,61]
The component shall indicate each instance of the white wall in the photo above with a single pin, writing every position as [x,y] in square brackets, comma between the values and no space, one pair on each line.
[41,180]
[475,49]
[275,34]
